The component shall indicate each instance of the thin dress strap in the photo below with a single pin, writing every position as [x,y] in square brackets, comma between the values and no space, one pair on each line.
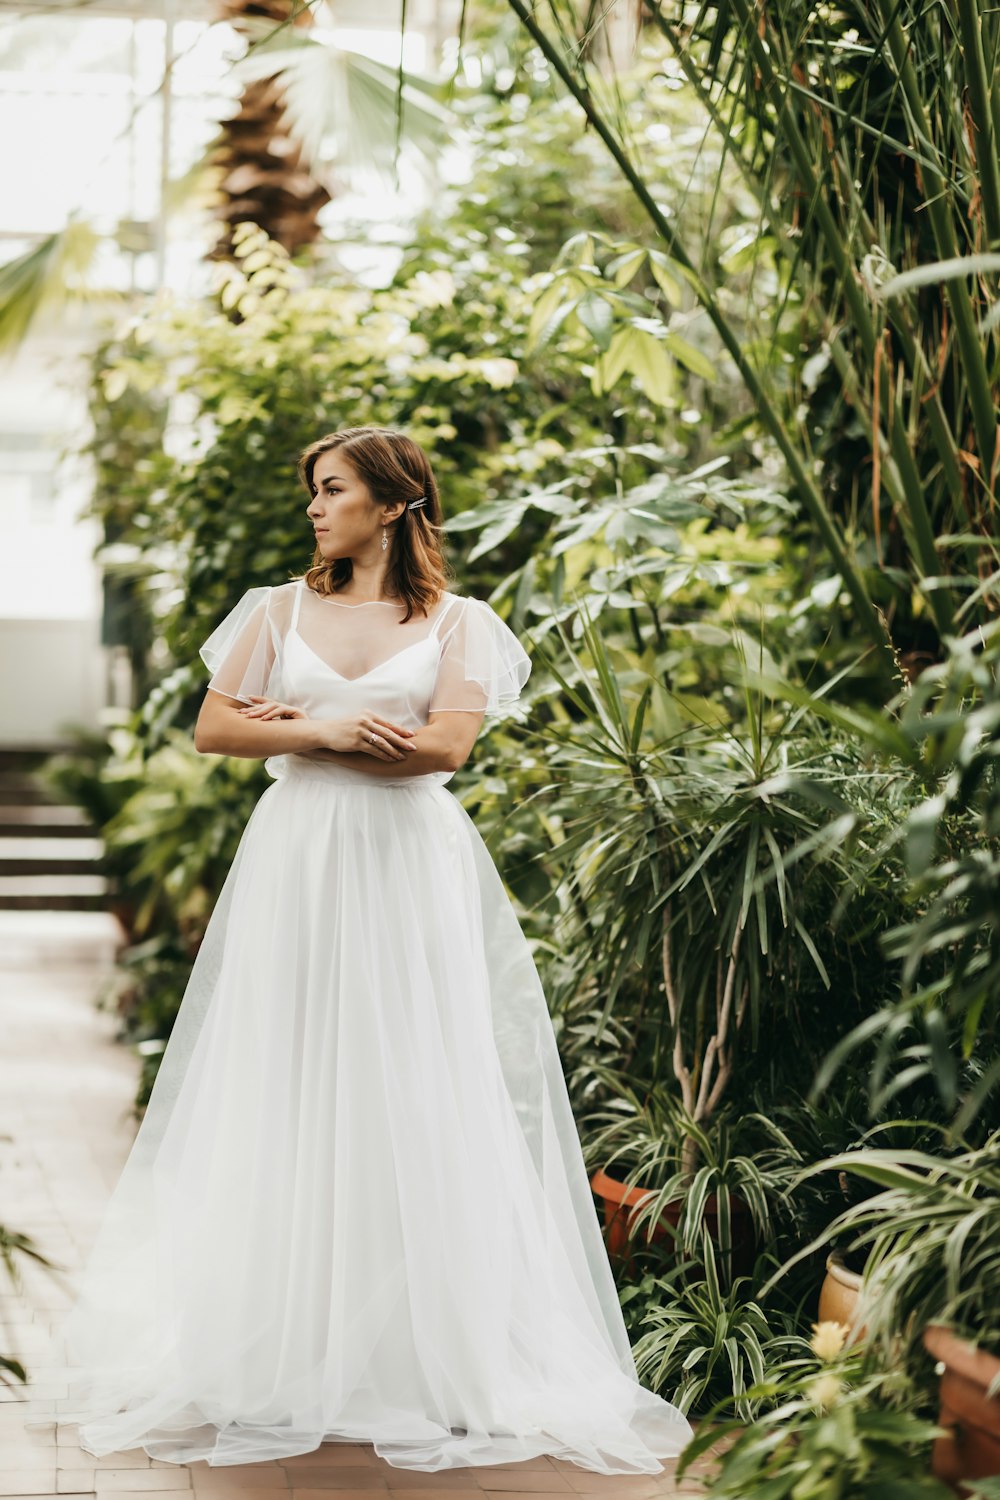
[297,601]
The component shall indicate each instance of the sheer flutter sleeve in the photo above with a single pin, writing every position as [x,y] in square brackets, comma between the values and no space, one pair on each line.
[242,651]
[482,667]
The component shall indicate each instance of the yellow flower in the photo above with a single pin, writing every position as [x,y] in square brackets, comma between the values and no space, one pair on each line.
[825,1389]
[828,1339]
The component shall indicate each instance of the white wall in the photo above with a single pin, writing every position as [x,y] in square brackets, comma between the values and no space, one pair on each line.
[52,665]
[51,680]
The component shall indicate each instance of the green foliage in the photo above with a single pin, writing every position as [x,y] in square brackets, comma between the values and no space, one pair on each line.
[146,990]
[56,272]
[199,413]
[178,832]
[81,775]
[171,823]
[872,199]
[699,864]
[443,350]
[704,1341]
[824,1429]
[642,1137]
[952,844]
[225,512]
[721,874]
[849,115]
[932,1238]
[797,1137]
[938,742]
[646,546]
[15,1248]
[178,835]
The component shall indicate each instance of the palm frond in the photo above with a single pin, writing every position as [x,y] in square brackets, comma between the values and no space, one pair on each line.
[58,271]
[342,105]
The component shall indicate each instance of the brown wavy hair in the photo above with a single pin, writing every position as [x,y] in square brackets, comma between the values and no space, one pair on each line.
[394,468]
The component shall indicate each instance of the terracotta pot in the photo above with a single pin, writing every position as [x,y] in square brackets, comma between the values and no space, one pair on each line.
[621,1203]
[970,1448]
[839,1294]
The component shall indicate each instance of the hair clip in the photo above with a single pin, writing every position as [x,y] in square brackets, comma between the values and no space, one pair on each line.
[416,504]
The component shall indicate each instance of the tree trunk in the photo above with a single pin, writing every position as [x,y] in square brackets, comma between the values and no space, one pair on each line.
[263,177]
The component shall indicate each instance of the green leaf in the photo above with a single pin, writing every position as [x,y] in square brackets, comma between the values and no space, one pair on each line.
[662,267]
[596,316]
[493,535]
[610,366]
[934,272]
[623,268]
[691,358]
[61,268]
[651,367]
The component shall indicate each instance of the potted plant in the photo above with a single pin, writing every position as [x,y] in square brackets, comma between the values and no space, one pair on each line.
[647,1192]
[672,856]
[698,1340]
[827,1423]
[932,1237]
[969,1413]
[812,1142]
[841,1291]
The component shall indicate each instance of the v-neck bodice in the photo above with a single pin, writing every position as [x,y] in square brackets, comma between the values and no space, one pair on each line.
[369,639]
[364,676]
[398,684]
[335,659]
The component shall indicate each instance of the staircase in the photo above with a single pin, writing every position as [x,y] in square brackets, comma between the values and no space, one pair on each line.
[50,857]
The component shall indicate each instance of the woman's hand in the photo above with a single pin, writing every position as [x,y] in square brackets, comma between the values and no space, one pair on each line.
[370,733]
[269,708]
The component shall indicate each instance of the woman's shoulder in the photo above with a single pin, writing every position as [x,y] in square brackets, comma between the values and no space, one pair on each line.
[281,597]
[468,600]
[269,591]
[453,606]
[470,619]
[272,602]
[470,604]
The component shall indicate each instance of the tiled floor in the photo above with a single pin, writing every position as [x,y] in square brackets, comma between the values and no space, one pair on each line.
[66,1090]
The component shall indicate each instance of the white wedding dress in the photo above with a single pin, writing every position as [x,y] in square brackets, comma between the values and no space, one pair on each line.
[356,1207]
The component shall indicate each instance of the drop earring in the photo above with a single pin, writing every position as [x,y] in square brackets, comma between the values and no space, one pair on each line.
[385,539]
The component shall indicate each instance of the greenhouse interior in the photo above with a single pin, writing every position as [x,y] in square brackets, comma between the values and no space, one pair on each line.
[550,1034]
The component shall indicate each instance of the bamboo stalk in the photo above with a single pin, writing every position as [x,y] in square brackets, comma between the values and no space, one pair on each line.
[936,198]
[905,487]
[984,145]
[762,55]
[910,489]
[912,494]
[811,497]
[897,315]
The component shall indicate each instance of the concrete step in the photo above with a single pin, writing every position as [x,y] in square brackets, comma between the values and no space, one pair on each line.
[25,759]
[49,852]
[47,819]
[36,855]
[42,941]
[21,789]
[52,892]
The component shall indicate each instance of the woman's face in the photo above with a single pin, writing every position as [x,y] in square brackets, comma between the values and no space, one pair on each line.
[346,522]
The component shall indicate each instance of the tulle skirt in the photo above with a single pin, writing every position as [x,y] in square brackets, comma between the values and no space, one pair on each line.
[356,1207]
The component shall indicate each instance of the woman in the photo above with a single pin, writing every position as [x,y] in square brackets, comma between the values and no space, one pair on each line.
[356,1208]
